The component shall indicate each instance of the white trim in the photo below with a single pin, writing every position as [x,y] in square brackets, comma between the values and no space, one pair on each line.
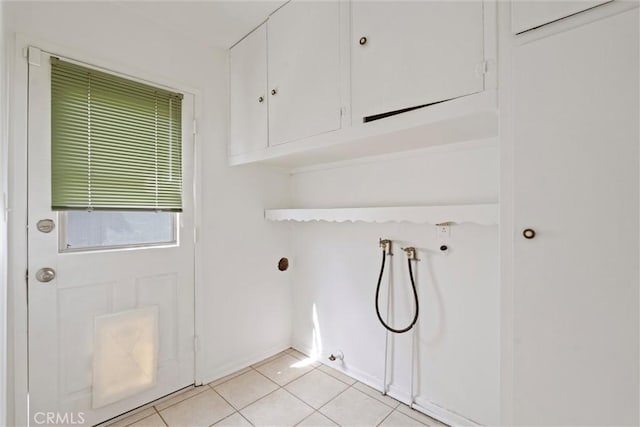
[4,318]
[421,405]
[17,191]
[198,278]
[442,414]
[237,365]
[506,240]
[17,238]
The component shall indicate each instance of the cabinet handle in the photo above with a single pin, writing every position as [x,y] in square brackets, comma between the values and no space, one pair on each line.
[273,91]
[363,41]
[529,233]
[261,99]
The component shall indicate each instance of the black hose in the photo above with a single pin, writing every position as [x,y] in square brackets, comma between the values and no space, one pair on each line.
[415,296]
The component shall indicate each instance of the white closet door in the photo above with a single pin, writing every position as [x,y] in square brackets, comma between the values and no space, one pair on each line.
[249,94]
[304,70]
[576,151]
[407,54]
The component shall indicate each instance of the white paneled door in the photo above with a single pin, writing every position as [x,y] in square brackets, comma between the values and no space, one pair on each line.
[114,328]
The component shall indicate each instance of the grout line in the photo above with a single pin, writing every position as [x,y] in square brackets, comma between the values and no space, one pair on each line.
[415,418]
[262,397]
[229,403]
[296,397]
[266,377]
[334,376]
[308,416]
[144,407]
[230,377]
[297,378]
[249,421]
[388,415]
[270,359]
[161,417]
[180,394]
[334,398]
[384,403]
[326,416]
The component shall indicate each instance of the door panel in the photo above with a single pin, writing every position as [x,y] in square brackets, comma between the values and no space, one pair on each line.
[576,184]
[415,53]
[248,76]
[100,282]
[304,70]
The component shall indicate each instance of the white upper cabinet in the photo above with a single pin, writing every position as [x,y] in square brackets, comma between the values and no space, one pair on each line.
[410,54]
[249,94]
[303,83]
[304,70]
[526,15]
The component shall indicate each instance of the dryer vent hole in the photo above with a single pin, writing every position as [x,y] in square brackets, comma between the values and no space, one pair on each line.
[283,264]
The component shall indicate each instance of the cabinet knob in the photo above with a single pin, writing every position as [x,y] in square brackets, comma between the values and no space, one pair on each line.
[363,41]
[273,91]
[261,99]
[529,233]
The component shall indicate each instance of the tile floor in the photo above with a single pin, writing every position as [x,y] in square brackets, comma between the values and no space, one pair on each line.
[287,389]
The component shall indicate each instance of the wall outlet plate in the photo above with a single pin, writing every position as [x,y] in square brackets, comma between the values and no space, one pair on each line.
[443,231]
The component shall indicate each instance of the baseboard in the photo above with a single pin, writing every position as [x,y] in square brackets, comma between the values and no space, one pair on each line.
[420,404]
[442,414]
[245,362]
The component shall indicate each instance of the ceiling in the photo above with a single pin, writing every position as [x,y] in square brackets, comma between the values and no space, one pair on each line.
[213,23]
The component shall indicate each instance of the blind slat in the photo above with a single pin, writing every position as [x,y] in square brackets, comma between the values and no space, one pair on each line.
[116,143]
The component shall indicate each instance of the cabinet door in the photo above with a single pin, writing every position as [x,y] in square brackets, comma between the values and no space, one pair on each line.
[248,83]
[304,65]
[526,15]
[409,54]
[576,112]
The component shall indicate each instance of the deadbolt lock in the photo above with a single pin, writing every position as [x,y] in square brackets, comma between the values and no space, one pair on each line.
[46,225]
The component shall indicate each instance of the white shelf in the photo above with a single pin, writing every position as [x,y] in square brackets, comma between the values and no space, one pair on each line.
[484,214]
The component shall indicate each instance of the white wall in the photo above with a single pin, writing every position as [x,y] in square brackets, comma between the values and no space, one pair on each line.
[336,267]
[246,301]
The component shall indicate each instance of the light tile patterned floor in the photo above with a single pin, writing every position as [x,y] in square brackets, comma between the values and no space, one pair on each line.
[287,389]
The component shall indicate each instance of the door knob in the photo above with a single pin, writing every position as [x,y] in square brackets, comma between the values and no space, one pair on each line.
[529,233]
[45,274]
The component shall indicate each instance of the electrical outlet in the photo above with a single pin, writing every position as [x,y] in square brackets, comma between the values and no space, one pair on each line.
[443,231]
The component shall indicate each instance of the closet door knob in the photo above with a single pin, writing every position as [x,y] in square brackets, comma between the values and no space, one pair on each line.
[529,233]
[273,91]
[261,99]
[363,41]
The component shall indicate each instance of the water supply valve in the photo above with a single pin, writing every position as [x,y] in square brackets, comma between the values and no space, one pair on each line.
[385,244]
[411,253]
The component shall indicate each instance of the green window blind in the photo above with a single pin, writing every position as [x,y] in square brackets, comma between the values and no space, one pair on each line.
[116,144]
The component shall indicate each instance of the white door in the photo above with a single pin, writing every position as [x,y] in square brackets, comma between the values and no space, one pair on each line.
[304,70]
[249,131]
[89,284]
[408,54]
[576,185]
